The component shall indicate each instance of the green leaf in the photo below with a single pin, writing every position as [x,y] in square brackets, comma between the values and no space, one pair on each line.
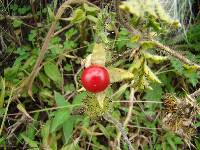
[177,65]
[197,144]
[68,128]
[79,98]
[44,79]
[33,144]
[123,39]
[155,94]
[60,100]
[70,44]
[147,45]
[59,119]
[72,146]
[51,14]
[171,143]
[192,76]
[92,18]
[78,16]
[52,71]
[45,132]
[118,75]
[103,130]
[17,23]
[98,55]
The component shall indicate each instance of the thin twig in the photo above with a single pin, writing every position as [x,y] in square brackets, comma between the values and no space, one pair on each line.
[109,118]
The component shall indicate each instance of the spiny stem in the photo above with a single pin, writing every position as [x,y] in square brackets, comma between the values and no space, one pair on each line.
[109,118]
[175,54]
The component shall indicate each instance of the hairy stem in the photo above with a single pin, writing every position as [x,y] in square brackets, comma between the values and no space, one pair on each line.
[175,54]
[109,118]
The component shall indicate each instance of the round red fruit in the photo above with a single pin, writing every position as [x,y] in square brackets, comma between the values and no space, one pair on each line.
[95,78]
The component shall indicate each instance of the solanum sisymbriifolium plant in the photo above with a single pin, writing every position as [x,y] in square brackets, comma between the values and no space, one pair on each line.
[95,75]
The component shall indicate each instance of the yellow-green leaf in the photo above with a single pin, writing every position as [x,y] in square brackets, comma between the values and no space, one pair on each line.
[150,74]
[155,58]
[98,55]
[137,63]
[118,75]
[147,45]
[78,16]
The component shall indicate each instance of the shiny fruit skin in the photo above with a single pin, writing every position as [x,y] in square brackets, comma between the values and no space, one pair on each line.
[95,78]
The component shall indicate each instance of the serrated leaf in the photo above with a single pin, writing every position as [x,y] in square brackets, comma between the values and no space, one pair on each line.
[155,94]
[98,55]
[150,74]
[52,71]
[155,58]
[118,75]
[33,144]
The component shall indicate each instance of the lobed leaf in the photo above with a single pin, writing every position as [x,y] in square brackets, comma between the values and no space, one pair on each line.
[98,55]
[118,75]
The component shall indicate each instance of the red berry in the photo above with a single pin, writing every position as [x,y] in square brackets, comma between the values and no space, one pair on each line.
[95,78]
